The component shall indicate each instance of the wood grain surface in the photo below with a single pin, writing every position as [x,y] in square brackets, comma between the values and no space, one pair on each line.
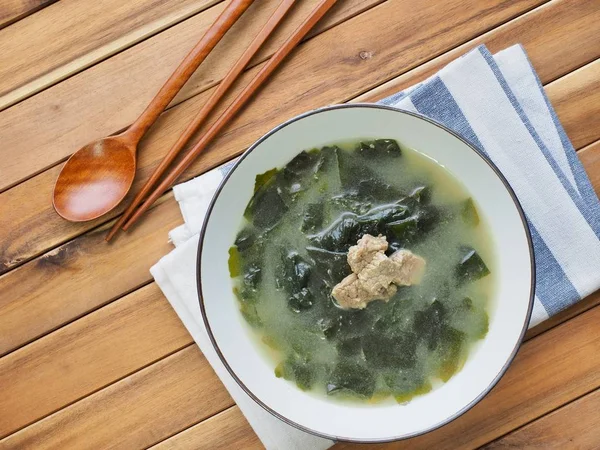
[91,353]
[226,430]
[48,299]
[572,426]
[41,229]
[13,10]
[64,48]
[590,157]
[80,358]
[141,410]
[563,21]
[583,87]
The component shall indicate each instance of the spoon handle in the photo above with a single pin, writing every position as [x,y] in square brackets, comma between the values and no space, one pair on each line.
[188,66]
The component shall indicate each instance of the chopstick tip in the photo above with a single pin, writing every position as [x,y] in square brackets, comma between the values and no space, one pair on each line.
[111,234]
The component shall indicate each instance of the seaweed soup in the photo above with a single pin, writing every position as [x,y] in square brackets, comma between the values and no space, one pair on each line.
[291,251]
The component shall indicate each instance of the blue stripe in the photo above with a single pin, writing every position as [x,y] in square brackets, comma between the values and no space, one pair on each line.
[393,99]
[434,100]
[553,287]
[583,182]
[225,168]
[592,219]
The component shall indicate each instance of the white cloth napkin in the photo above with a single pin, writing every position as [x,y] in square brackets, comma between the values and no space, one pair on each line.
[498,104]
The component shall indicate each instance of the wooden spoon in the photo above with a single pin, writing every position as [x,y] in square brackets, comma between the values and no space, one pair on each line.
[98,176]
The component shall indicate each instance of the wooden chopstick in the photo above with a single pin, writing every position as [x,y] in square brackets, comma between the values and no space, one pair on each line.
[229,79]
[235,106]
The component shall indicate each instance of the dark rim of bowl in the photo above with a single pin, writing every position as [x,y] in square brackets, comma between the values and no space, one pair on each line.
[341,438]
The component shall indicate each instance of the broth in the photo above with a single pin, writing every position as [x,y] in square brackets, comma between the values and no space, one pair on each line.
[292,250]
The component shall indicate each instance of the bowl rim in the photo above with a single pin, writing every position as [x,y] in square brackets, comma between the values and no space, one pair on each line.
[508,188]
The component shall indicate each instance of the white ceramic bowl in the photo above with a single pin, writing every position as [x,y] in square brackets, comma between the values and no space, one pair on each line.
[346,421]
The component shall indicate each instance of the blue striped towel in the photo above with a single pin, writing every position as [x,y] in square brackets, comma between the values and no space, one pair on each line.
[498,104]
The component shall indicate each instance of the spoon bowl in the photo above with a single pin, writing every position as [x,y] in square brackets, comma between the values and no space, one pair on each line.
[95,179]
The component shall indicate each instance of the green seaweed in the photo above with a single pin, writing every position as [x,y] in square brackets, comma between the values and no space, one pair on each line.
[379,149]
[303,163]
[349,227]
[469,212]
[298,369]
[234,262]
[246,238]
[430,323]
[263,178]
[470,267]
[351,377]
[294,278]
[250,313]
[451,352]
[313,217]
[390,350]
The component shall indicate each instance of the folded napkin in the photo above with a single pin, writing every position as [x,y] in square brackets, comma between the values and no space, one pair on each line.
[498,104]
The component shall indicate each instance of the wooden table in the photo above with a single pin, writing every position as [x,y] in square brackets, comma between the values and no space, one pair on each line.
[92,354]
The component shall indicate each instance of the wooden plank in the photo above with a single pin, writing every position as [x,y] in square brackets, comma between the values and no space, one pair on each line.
[35,227]
[136,412]
[130,257]
[110,95]
[55,288]
[572,426]
[226,430]
[583,87]
[13,10]
[569,352]
[571,23]
[82,357]
[56,43]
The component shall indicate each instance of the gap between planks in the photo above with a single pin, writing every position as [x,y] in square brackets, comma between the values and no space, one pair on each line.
[237,433]
[564,427]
